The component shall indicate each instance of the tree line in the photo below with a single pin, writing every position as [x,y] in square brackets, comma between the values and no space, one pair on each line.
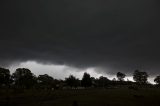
[23,78]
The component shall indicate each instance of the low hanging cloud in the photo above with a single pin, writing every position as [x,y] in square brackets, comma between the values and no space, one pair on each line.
[56,70]
[113,35]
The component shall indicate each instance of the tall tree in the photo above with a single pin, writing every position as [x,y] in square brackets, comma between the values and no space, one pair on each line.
[72,81]
[86,80]
[45,81]
[24,78]
[4,76]
[140,77]
[103,81]
[121,76]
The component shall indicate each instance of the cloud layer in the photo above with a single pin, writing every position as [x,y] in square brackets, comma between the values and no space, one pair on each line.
[116,35]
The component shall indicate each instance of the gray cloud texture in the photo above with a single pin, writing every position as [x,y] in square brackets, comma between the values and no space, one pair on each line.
[112,34]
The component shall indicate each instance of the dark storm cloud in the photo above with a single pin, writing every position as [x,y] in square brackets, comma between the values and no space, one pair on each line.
[111,34]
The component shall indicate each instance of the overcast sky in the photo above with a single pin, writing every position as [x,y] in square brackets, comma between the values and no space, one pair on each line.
[107,35]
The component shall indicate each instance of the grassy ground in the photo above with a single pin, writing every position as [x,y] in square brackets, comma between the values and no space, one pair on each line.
[90,97]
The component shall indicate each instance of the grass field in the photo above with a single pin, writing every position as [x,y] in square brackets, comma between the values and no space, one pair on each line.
[90,97]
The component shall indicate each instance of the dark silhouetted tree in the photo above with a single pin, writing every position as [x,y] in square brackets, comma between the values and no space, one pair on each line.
[72,81]
[86,80]
[140,77]
[103,81]
[114,79]
[4,77]
[24,78]
[45,81]
[157,80]
[121,76]
[94,82]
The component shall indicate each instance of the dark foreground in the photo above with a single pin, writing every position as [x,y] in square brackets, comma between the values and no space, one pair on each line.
[90,97]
